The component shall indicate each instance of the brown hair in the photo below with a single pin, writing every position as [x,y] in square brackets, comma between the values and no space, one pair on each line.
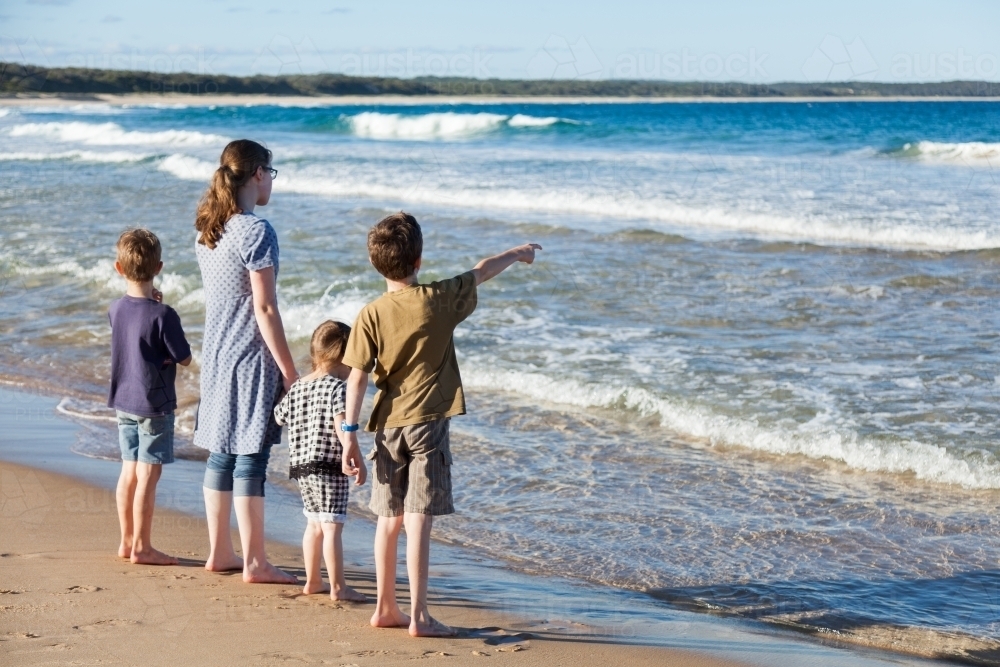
[138,254]
[395,244]
[238,163]
[328,344]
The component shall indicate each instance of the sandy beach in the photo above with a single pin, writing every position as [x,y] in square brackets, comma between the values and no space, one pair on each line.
[67,599]
[670,439]
[741,408]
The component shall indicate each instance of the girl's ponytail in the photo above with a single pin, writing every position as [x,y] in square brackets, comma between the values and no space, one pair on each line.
[238,163]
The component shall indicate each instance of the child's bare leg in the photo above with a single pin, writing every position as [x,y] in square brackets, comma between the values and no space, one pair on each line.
[147,475]
[333,554]
[124,496]
[312,545]
[418,551]
[387,612]
[218,507]
[256,568]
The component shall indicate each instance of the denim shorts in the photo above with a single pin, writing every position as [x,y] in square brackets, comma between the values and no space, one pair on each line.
[146,439]
[243,474]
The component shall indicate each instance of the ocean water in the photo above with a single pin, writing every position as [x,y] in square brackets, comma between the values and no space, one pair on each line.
[753,372]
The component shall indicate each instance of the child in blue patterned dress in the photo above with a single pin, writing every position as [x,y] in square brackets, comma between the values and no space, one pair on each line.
[314,409]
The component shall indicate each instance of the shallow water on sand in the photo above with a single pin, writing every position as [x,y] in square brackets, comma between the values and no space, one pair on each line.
[33,433]
[753,370]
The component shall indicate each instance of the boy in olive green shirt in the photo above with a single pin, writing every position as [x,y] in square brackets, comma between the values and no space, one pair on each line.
[406,338]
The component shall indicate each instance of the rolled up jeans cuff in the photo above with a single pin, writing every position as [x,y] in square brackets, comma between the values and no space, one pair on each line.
[248,486]
[218,480]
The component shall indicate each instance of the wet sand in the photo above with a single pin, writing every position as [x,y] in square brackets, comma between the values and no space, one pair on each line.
[66,598]
[59,534]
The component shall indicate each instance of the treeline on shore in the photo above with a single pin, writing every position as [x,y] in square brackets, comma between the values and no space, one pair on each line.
[18,79]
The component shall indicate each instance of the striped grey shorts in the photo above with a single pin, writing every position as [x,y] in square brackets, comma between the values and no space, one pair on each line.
[411,470]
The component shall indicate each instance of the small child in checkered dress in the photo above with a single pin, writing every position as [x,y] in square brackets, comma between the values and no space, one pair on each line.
[313,409]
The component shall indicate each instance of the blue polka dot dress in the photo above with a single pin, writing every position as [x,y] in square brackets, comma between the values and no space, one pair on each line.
[240,380]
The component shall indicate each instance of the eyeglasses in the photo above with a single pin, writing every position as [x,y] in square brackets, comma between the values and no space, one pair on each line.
[274,172]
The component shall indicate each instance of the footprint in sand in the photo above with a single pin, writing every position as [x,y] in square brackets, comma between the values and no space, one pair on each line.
[9,591]
[58,647]
[27,635]
[512,649]
[499,637]
[110,623]
[318,599]
[481,654]
[291,657]
[84,589]
[142,573]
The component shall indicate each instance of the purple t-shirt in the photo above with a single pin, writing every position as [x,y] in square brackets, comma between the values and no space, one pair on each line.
[147,342]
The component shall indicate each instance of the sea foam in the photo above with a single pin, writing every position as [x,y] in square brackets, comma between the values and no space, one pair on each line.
[448,125]
[102,274]
[112,134]
[969,152]
[301,319]
[110,157]
[187,168]
[658,213]
[816,439]
[87,109]
[445,125]
[522,120]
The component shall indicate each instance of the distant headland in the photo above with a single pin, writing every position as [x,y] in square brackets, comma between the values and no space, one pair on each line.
[19,80]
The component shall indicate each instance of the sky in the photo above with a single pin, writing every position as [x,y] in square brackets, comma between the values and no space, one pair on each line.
[748,41]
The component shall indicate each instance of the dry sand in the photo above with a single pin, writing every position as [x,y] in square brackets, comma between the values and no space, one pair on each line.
[67,599]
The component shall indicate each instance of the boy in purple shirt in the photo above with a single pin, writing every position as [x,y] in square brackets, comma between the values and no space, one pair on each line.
[147,343]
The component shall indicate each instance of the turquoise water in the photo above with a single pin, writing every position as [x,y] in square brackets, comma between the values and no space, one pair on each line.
[753,370]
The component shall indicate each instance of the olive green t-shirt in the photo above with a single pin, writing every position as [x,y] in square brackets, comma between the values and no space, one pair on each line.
[406,338]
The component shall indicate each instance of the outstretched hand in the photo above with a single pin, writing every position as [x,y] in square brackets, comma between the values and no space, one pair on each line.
[493,266]
[526,252]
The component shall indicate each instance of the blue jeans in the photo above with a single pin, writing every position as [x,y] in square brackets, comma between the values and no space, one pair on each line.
[146,439]
[243,474]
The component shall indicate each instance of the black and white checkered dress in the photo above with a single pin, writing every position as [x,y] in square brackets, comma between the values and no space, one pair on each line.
[314,450]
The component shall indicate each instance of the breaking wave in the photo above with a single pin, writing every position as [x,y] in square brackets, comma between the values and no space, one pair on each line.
[112,134]
[816,439]
[976,153]
[445,125]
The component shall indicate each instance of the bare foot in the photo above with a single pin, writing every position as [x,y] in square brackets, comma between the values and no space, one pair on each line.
[267,574]
[229,564]
[392,619]
[431,629]
[347,594]
[152,556]
[312,589]
[125,550]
